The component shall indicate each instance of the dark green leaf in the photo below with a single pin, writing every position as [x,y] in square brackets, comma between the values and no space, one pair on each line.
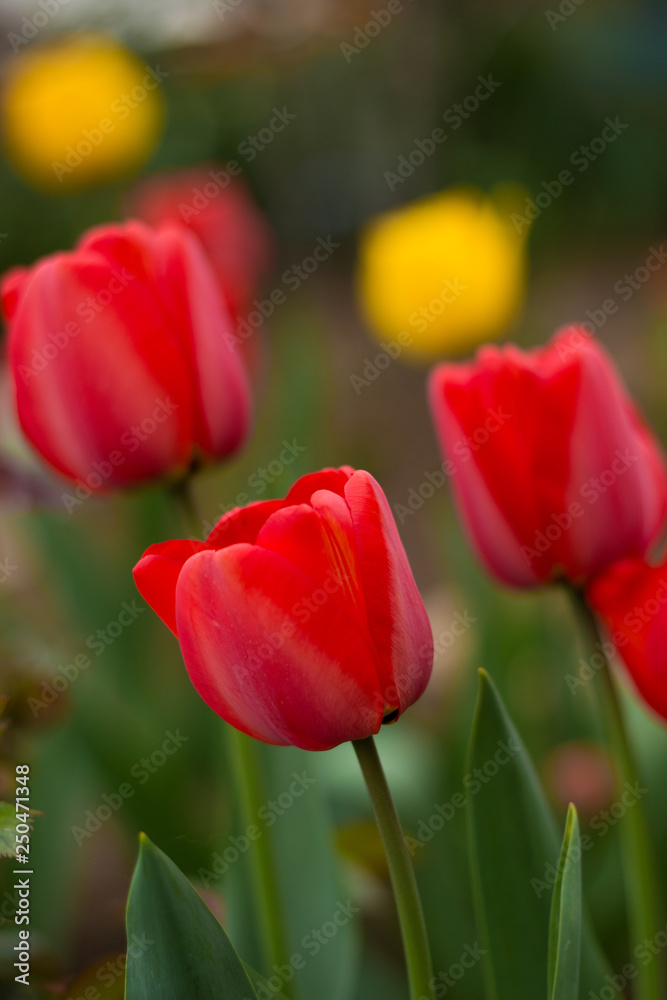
[514,851]
[177,950]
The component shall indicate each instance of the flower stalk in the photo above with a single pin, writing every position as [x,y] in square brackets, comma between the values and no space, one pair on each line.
[251,796]
[639,869]
[408,903]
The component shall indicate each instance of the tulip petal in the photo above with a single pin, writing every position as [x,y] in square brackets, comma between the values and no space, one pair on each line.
[553,471]
[617,470]
[223,408]
[231,228]
[115,359]
[397,618]
[326,479]
[320,541]
[631,599]
[494,425]
[157,572]
[11,289]
[243,524]
[176,266]
[264,661]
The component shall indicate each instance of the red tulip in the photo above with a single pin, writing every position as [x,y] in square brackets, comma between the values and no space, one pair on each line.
[121,357]
[299,619]
[221,211]
[631,599]
[553,469]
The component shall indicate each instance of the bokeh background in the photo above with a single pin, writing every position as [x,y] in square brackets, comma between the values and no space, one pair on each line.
[562,71]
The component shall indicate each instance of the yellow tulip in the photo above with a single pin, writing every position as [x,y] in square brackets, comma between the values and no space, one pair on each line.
[80,111]
[443,274]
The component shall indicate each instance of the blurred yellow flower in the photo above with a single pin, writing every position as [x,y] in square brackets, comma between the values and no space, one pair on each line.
[443,274]
[80,111]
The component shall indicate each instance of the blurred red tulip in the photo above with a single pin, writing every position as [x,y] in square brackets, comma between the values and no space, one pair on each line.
[221,211]
[631,599]
[555,474]
[299,619]
[122,357]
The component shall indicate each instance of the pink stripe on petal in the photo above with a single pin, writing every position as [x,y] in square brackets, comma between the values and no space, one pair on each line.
[267,663]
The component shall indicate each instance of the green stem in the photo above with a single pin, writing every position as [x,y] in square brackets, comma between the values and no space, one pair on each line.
[639,870]
[251,797]
[265,877]
[410,914]
[184,498]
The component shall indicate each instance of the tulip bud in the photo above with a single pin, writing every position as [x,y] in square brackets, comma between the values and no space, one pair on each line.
[217,206]
[122,358]
[631,599]
[555,474]
[299,619]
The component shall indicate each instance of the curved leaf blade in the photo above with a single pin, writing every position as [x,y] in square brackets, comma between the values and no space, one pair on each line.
[177,950]
[566,919]
[513,838]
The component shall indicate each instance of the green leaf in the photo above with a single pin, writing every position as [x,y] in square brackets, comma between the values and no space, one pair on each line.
[313,883]
[177,950]
[514,851]
[297,821]
[565,929]
[7,830]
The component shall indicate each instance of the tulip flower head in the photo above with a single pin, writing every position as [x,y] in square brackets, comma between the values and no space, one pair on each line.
[299,620]
[631,599]
[220,210]
[554,471]
[80,111]
[441,275]
[122,358]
